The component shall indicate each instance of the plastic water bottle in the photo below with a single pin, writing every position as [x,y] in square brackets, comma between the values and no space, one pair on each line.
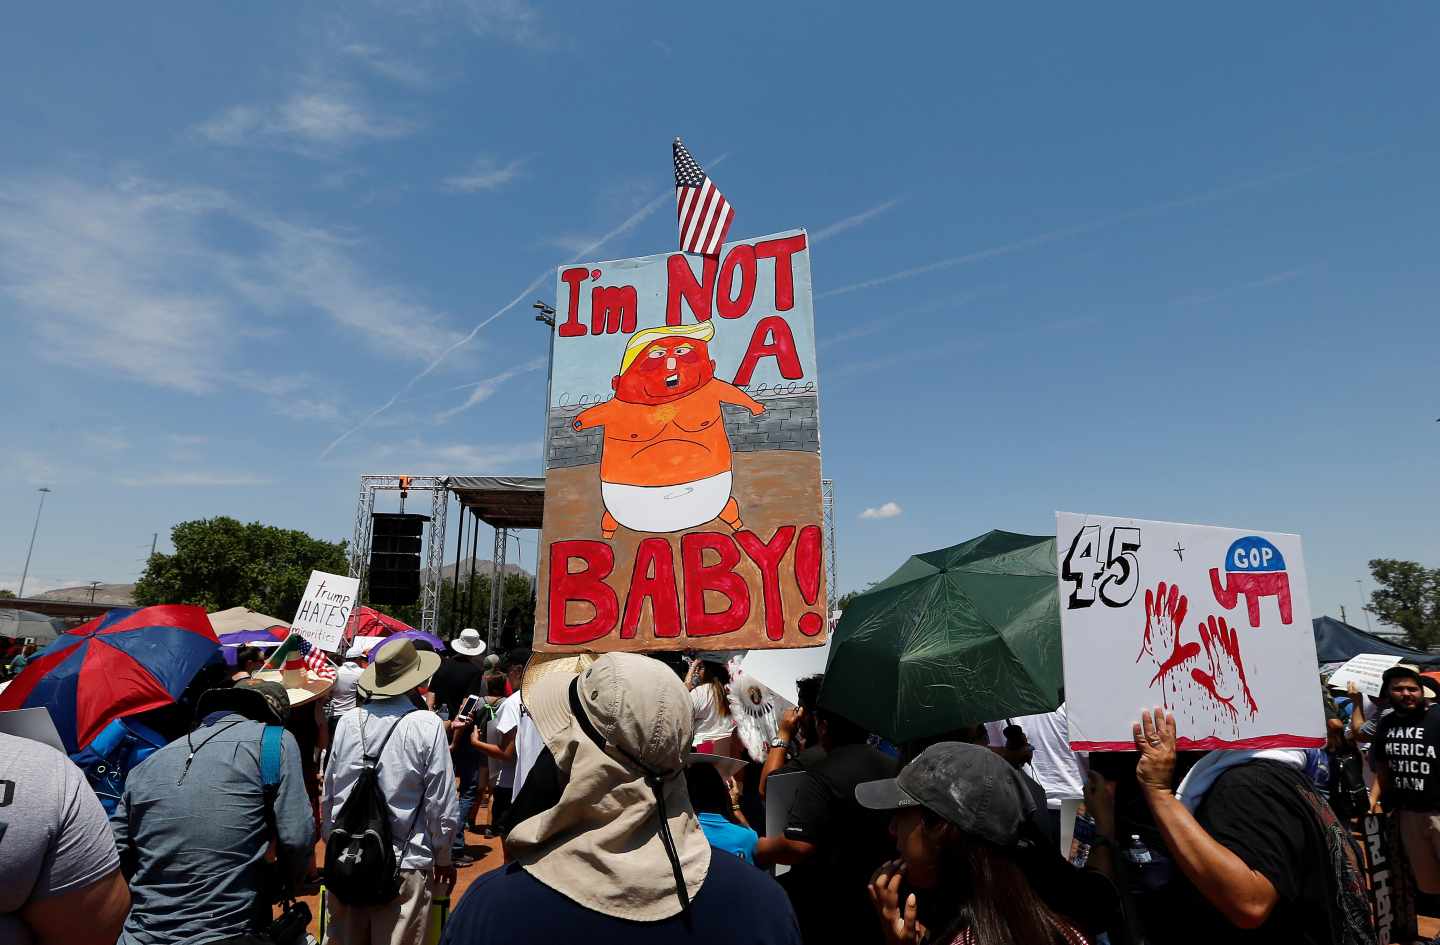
[1137,852]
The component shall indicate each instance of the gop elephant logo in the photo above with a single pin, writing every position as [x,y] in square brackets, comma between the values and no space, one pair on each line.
[1254,568]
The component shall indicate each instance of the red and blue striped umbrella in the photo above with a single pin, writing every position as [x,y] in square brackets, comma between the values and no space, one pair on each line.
[123,663]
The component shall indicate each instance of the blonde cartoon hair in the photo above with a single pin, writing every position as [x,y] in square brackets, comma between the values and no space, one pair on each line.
[638,341]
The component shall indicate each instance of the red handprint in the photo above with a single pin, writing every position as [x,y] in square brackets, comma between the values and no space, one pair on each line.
[1226,681]
[1164,616]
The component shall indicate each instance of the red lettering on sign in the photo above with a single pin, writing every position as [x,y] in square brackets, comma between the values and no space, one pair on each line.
[720,577]
[586,585]
[771,339]
[571,326]
[612,309]
[767,556]
[781,250]
[742,257]
[653,577]
[681,282]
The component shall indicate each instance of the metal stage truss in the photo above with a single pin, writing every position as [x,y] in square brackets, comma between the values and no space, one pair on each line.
[506,504]
[438,487]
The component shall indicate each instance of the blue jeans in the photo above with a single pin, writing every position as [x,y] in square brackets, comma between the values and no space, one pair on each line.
[468,766]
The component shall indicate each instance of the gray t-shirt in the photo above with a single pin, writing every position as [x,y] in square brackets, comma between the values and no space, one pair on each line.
[54,837]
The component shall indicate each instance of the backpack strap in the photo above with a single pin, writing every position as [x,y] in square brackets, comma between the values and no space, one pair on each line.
[272,746]
[271,749]
[372,761]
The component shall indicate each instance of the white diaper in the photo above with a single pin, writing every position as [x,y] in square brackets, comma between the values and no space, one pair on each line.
[667,508]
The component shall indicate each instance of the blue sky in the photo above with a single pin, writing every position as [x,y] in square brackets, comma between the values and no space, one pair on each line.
[1161,263]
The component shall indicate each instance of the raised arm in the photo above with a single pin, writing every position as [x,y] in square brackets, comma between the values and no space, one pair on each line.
[1244,896]
[592,417]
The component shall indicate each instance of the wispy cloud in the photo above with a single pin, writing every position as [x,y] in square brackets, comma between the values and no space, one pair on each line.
[315,120]
[131,278]
[887,510]
[1289,275]
[483,390]
[386,65]
[850,222]
[197,479]
[663,46]
[485,173]
[629,224]
[514,21]
[1078,229]
[110,441]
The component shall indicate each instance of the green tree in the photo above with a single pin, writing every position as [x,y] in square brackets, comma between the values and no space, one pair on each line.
[1408,597]
[220,563]
[6,594]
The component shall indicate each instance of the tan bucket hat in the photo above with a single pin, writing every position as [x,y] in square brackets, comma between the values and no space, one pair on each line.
[397,669]
[623,839]
[544,664]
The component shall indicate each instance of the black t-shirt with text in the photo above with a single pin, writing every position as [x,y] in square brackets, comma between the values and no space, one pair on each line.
[1264,814]
[1406,745]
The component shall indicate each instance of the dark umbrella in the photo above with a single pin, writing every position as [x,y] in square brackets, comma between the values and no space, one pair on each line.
[959,636]
[127,661]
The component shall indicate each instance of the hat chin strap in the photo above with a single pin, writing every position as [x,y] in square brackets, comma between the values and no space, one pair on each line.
[653,778]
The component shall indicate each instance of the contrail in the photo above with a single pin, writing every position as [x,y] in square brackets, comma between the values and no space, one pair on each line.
[1075,230]
[630,223]
[850,222]
[482,390]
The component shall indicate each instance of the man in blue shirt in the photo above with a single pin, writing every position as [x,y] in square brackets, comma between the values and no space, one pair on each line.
[609,849]
[718,811]
[192,827]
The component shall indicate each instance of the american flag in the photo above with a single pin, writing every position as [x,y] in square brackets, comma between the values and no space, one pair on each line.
[315,660]
[704,213]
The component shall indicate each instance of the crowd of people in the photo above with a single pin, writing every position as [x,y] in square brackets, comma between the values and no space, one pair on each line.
[628,810]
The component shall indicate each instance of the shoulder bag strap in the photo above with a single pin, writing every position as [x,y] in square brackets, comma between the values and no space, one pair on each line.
[272,747]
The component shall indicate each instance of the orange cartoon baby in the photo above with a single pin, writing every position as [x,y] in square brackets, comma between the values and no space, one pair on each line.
[665,463]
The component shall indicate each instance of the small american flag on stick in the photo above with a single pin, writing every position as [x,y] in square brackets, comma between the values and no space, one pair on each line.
[703,212]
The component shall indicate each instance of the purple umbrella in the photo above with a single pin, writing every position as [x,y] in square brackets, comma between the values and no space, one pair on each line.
[420,637]
[231,642]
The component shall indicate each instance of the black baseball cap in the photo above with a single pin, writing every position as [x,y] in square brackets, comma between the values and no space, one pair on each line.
[968,785]
[1398,670]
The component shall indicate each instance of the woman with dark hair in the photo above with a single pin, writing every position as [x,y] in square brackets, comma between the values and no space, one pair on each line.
[710,701]
[968,850]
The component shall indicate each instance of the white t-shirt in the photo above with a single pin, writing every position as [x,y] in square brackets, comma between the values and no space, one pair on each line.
[710,723]
[506,721]
[528,745]
[1058,769]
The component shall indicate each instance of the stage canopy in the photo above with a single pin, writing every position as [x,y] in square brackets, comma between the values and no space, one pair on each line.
[1336,642]
[502,501]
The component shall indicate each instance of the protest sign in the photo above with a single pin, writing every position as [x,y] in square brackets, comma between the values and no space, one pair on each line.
[1211,623]
[325,609]
[1389,879]
[1364,671]
[682,499]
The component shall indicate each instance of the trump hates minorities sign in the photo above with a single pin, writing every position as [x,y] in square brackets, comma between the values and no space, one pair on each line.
[1210,623]
[682,500]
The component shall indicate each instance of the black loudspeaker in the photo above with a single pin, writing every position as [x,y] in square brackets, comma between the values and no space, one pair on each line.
[395,557]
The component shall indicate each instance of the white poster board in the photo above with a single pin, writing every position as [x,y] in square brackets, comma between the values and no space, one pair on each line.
[1364,671]
[1210,623]
[325,609]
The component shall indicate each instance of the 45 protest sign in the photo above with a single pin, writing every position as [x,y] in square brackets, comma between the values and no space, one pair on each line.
[1211,623]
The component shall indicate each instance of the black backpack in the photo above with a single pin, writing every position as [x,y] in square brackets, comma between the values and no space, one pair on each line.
[361,868]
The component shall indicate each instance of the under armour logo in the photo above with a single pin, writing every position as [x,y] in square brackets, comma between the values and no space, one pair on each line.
[351,855]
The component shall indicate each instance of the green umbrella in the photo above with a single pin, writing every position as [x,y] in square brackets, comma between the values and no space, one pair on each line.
[958,636]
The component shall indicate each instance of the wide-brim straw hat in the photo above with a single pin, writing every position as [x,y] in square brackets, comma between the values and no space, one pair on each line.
[547,664]
[301,685]
[398,668]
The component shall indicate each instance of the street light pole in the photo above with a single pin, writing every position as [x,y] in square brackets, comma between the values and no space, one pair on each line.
[44,491]
[1360,589]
